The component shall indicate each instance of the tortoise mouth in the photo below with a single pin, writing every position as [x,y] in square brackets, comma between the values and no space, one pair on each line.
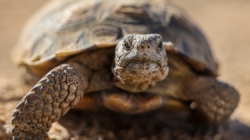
[140,68]
[145,66]
[143,61]
[139,74]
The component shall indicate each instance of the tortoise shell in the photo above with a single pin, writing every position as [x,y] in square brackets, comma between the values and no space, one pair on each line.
[65,28]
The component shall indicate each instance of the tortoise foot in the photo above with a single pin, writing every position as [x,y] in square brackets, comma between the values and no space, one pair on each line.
[51,98]
[213,100]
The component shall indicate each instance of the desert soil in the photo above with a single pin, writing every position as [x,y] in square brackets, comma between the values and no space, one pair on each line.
[225,23]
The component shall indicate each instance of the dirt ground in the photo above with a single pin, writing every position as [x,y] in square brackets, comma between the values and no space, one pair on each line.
[225,23]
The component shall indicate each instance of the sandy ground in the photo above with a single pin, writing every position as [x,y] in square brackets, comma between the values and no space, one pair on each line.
[225,23]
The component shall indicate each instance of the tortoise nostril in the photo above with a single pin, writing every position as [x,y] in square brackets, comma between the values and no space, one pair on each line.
[142,47]
[148,47]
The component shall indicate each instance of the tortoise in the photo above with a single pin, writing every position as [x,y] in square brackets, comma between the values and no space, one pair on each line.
[127,56]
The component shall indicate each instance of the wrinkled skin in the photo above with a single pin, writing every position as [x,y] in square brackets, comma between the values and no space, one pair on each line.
[140,61]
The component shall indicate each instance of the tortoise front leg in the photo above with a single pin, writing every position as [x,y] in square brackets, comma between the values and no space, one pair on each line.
[52,97]
[213,100]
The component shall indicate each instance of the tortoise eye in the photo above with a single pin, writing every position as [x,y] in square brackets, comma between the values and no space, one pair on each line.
[126,46]
[160,46]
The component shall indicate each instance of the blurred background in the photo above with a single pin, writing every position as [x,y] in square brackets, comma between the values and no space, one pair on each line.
[226,23]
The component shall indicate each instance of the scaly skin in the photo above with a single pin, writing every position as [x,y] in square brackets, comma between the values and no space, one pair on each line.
[47,101]
[140,62]
[215,101]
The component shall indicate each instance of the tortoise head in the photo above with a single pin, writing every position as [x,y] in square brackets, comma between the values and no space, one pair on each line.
[140,61]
